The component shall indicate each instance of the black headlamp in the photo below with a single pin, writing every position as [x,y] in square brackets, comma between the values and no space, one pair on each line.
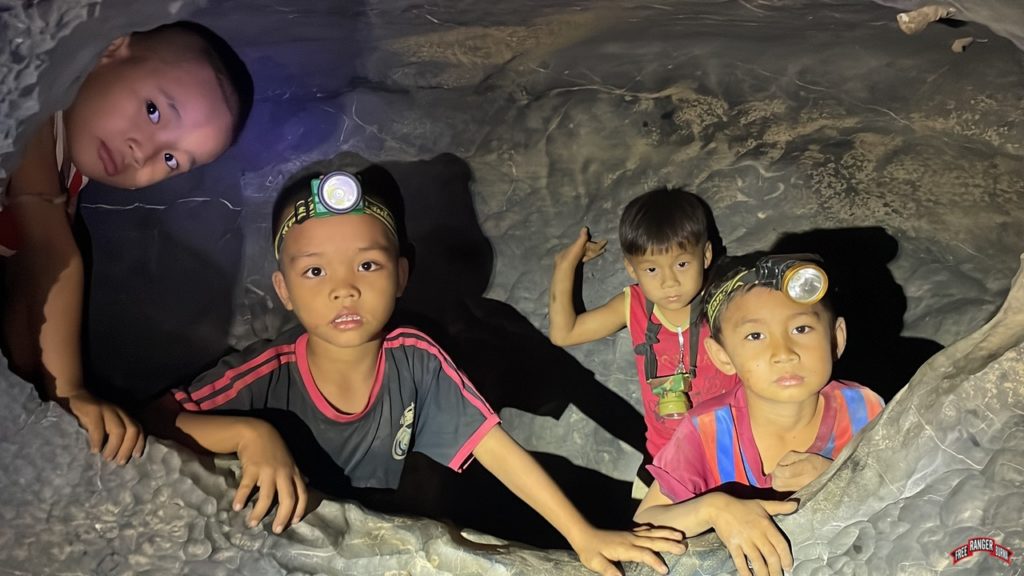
[799,276]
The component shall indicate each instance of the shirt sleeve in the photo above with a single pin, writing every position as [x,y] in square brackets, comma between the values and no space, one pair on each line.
[240,381]
[451,416]
[680,467]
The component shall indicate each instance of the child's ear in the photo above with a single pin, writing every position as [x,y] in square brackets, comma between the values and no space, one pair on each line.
[403,274]
[629,268]
[719,357]
[282,289]
[707,254]
[116,50]
[839,337]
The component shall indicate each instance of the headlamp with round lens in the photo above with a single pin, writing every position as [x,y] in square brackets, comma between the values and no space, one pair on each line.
[804,282]
[337,193]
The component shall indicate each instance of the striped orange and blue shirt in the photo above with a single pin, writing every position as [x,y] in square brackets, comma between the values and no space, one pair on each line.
[715,445]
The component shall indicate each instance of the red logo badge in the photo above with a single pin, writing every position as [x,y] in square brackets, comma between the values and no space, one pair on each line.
[981,544]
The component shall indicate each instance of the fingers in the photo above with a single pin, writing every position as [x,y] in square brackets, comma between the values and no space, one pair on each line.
[602,566]
[303,498]
[670,542]
[245,486]
[655,532]
[755,559]
[115,429]
[791,457]
[93,424]
[739,559]
[140,445]
[647,557]
[776,508]
[780,557]
[263,500]
[593,250]
[130,441]
[286,502]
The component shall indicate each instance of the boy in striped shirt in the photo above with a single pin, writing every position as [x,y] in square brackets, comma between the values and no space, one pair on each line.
[346,396]
[771,324]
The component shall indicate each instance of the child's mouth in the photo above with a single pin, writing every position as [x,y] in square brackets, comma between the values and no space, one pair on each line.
[347,321]
[789,380]
[107,158]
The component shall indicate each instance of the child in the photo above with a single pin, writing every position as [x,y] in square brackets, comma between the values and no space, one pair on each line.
[664,237]
[779,430]
[156,104]
[365,393]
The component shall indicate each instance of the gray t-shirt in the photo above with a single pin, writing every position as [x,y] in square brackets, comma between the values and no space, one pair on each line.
[419,401]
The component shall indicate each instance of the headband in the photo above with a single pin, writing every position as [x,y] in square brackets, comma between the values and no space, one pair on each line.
[334,194]
[799,276]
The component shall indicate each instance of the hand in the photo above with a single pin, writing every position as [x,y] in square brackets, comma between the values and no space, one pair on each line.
[101,419]
[267,464]
[798,469]
[750,535]
[581,250]
[597,549]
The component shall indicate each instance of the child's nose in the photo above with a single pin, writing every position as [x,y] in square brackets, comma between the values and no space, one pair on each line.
[783,349]
[139,152]
[344,288]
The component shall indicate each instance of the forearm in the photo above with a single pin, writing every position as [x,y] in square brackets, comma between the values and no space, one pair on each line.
[691,517]
[520,473]
[47,281]
[561,312]
[215,433]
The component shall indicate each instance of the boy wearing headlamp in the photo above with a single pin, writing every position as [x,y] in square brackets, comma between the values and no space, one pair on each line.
[772,326]
[366,393]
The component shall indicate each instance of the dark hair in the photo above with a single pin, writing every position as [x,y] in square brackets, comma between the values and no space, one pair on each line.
[233,75]
[725,270]
[375,180]
[661,219]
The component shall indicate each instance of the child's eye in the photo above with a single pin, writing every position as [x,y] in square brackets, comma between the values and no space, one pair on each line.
[368,266]
[152,111]
[314,272]
[170,160]
[682,265]
[754,336]
[803,329]
[651,270]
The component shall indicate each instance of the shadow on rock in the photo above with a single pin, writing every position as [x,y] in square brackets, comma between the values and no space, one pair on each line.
[509,361]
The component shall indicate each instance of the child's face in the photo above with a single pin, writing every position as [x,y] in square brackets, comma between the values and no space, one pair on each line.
[782,350]
[141,117]
[671,279]
[341,276]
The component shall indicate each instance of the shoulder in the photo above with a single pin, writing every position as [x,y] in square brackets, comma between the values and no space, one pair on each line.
[717,403]
[633,294]
[407,344]
[848,387]
[263,355]
[855,396]
[411,338]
